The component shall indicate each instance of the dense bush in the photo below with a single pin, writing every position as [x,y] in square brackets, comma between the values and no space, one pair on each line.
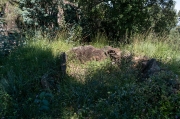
[94,89]
[40,15]
[91,90]
[119,20]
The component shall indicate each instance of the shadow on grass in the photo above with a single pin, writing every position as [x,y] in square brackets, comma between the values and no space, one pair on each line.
[10,42]
[20,86]
[108,91]
[115,92]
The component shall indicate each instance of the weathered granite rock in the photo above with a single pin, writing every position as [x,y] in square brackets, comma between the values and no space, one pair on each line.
[113,53]
[88,53]
[149,67]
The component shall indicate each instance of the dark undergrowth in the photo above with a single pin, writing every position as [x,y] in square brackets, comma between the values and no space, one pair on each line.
[101,91]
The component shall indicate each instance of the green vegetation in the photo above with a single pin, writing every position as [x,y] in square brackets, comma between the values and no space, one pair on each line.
[31,80]
[120,19]
[117,19]
[91,90]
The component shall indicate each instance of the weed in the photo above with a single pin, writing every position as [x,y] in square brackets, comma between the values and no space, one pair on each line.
[90,90]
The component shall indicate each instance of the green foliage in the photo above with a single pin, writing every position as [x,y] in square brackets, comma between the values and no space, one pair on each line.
[43,101]
[117,19]
[163,16]
[121,19]
[91,90]
[74,33]
[178,13]
[39,14]
[20,81]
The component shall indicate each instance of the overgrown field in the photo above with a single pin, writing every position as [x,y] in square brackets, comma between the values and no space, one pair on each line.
[95,90]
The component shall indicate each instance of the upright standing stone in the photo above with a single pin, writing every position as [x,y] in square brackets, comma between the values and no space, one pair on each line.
[63,64]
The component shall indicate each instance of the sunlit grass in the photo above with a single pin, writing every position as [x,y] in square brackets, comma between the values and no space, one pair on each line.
[100,40]
[163,49]
[89,90]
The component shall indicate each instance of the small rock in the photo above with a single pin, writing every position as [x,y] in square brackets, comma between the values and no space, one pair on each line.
[149,68]
[45,84]
[114,54]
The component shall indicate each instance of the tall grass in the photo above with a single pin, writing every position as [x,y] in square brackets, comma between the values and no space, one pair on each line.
[90,90]
[100,40]
[164,49]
